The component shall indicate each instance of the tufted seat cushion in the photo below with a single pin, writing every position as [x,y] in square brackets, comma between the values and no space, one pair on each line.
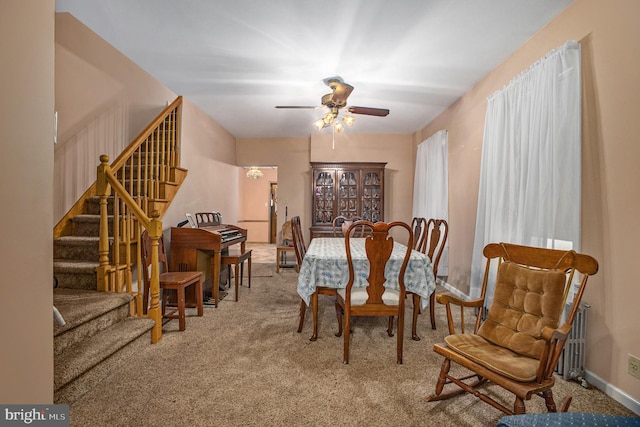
[524,302]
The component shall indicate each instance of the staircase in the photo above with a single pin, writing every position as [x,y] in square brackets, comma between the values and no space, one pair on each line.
[104,324]
[99,334]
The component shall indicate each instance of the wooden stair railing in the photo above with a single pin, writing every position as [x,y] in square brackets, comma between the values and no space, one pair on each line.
[144,178]
[108,273]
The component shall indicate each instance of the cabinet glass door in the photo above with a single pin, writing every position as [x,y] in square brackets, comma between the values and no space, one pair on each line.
[348,193]
[371,196]
[324,185]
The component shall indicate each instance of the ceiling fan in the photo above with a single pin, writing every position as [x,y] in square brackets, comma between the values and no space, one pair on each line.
[337,100]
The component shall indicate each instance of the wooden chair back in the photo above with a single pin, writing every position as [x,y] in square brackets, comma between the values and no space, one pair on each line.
[298,239]
[434,241]
[375,299]
[419,229]
[341,223]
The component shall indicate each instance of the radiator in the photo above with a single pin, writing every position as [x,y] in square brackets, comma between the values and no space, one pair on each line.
[571,363]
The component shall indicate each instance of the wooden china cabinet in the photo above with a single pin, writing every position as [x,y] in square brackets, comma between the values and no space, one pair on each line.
[347,189]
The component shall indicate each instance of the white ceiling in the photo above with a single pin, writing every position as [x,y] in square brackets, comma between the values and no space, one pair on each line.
[238,59]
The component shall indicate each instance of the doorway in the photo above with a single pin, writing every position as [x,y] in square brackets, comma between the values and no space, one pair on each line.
[273,212]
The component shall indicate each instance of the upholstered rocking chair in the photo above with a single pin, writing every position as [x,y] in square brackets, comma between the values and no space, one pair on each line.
[519,343]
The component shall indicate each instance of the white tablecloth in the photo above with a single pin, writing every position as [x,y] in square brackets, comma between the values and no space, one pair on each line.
[325,264]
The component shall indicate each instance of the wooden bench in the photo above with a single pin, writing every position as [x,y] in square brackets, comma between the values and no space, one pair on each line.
[237,260]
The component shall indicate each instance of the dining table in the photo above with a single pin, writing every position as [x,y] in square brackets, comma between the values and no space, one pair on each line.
[325,264]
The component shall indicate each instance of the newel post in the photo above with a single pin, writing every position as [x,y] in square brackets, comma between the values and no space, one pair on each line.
[154,312]
[104,191]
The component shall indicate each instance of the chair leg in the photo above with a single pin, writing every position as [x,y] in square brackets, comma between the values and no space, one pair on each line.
[390,326]
[236,271]
[414,322]
[518,407]
[442,378]
[339,316]
[303,309]
[400,334]
[347,335]
[550,402]
[432,309]
[249,272]
[314,310]
[181,309]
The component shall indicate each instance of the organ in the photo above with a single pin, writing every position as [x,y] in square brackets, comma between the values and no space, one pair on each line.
[201,248]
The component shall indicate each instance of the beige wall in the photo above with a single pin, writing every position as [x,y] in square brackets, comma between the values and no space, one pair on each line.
[26,147]
[254,204]
[92,77]
[609,33]
[208,153]
[291,157]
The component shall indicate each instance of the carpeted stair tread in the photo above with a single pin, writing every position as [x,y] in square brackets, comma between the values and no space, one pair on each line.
[64,265]
[83,356]
[78,306]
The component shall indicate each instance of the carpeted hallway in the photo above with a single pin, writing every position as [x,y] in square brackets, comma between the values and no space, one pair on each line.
[244,364]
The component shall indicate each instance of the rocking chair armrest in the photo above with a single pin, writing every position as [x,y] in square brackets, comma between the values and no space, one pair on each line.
[561,333]
[449,299]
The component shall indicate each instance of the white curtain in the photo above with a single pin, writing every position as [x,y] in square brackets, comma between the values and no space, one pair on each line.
[431,185]
[529,190]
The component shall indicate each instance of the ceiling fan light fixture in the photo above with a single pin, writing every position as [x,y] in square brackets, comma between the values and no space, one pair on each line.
[338,127]
[254,173]
[348,120]
[319,124]
[328,118]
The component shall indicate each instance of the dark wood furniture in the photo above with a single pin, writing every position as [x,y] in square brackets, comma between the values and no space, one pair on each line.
[518,346]
[201,249]
[301,249]
[419,228]
[237,260]
[341,223]
[345,189]
[433,239]
[374,299]
[170,282]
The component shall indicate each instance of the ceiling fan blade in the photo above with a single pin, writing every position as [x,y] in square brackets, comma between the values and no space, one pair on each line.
[341,93]
[380,112]
[300,107]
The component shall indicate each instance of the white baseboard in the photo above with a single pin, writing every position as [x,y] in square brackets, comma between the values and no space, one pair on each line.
[613,392]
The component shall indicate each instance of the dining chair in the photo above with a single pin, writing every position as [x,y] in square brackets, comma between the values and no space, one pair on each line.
[342,223]
[301,250]
[374,299]
[419,228]
[434,239]
[172,284]
[516,344]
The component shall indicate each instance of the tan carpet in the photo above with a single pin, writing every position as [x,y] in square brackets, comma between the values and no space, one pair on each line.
[243,364]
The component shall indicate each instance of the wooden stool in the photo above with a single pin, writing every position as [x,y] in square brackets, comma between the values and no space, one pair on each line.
[178,282]
[237,260]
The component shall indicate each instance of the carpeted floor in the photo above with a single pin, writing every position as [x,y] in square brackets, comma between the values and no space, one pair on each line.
[243,364]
